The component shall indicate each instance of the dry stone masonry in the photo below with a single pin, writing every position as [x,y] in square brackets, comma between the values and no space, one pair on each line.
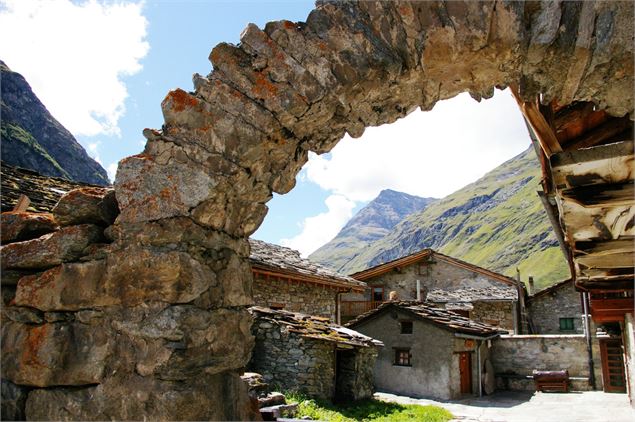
[152,323]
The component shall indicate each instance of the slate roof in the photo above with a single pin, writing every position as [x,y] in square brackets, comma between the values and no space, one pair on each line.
[441,317]
[473,294]
[43,191]
[313,327]
[287,261]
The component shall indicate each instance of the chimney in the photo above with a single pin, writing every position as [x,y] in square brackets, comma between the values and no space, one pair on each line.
[393,295]
[418,291]
[530,283]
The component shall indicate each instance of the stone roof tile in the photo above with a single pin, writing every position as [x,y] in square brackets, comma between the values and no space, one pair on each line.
[314,327]
[280,258]
[438,316]
[473,294]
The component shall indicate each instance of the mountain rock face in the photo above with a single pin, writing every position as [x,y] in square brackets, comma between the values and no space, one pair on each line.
[497,222]
[33,139]
[371,223]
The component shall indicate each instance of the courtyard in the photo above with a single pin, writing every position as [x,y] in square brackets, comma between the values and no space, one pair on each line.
[515,406]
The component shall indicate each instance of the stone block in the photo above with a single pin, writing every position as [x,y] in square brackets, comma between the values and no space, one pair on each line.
[65,245]
[54,354]
[89,205]
[129,276]
[20,226]
[132,397]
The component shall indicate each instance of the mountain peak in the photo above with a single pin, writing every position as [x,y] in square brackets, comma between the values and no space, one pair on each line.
[33,139]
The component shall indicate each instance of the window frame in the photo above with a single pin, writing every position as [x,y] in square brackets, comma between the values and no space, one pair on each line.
[568,322]
[399,358]
[401,326]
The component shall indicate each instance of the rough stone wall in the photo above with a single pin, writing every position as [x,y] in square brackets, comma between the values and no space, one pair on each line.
[357,381]
[546,310]
[169,293]
[434,372]
[515,357]
[301,297]
[287,360]
[499,313]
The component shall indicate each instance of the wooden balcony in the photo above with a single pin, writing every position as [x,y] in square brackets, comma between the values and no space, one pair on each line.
[610,307]
[352,308]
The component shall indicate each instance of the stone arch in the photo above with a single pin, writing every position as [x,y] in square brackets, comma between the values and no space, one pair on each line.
[173,287]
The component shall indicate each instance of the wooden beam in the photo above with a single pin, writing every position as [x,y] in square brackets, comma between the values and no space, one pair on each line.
[601,195]
[544,132]
[601,134]
[22,204]
[603,261]
[606,247]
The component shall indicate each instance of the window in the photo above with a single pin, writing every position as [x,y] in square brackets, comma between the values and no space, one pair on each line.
[378,294]
[402,357]
[566,324]
[406,327]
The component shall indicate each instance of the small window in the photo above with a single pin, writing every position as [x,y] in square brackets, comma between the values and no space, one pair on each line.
[566,324]
[406,327]
[402,357]
[378,294]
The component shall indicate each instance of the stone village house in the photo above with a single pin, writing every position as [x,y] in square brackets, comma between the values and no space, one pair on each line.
[472,291]
[312,355]
[285,280]
[556,309]
[428,351]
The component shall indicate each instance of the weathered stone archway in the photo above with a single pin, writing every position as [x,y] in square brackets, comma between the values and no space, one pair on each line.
[161,317]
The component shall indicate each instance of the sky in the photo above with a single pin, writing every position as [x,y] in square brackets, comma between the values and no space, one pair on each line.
[102,69]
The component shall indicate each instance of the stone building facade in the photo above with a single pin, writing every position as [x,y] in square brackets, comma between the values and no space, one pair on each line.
[428,351]
[285,280]
[556,310]
[472,291]
[311,355]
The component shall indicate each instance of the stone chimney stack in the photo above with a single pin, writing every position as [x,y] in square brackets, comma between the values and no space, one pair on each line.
[530,283]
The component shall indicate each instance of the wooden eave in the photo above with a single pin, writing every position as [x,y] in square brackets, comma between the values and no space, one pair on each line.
[292,276]
[425,253]
[589,172]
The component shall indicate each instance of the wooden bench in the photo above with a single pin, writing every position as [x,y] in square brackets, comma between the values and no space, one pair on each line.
[551,380]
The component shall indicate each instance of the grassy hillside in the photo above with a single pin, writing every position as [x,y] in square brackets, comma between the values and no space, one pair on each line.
[497,222]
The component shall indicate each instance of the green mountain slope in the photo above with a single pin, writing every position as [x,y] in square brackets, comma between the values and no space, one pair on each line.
[372,222]
[497,222]
[33,139]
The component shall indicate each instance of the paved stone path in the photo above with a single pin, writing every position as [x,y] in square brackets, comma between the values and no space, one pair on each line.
[511,406]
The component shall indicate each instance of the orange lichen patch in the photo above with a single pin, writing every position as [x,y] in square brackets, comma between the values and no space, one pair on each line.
[180,100]
[405,10]
[322,46]
[288,24]
[263,86]
[34,343]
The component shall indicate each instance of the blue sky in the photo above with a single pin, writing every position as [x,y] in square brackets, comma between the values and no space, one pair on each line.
[103,68]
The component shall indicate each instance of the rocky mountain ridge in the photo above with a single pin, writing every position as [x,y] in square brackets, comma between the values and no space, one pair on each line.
[371,223]
[497,222]
[33,139]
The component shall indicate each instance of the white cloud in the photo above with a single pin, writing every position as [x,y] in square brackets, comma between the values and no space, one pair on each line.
[74,55]
[319,229]
[112,171]
[427,153]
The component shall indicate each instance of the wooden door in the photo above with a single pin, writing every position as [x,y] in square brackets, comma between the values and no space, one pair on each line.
[465,370]
[613,366]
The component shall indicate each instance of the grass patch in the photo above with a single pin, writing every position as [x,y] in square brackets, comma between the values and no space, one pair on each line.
[366,410]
